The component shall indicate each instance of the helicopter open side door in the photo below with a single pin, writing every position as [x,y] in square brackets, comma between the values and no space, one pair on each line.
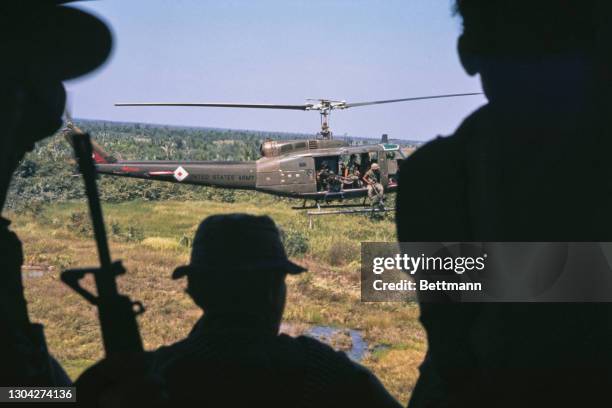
[379,157]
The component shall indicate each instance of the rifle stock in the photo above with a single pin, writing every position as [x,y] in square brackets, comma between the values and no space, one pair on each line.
[116,312]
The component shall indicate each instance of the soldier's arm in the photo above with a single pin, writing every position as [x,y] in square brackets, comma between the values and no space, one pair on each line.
[23,349]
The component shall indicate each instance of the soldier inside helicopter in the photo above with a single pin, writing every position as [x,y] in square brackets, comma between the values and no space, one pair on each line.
[351,172]
[336,174]
[324,167]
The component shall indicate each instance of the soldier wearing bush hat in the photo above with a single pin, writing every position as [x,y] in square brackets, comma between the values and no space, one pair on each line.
[43,43]
[215,247]
[239,257]
[237,276]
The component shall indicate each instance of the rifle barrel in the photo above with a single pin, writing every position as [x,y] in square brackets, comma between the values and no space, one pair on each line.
[105,282]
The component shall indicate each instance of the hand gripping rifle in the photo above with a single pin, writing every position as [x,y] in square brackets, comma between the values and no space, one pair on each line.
[117,313]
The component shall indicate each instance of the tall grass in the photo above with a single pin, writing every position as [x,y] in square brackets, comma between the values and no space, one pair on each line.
[329,294]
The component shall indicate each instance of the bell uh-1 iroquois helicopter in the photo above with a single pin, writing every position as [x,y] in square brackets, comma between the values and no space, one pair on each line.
[290,168]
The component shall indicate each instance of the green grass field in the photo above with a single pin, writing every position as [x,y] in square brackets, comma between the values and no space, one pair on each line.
[152,239]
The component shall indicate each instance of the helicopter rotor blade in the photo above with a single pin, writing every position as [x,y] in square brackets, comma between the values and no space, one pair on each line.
[418,98]
[223,105]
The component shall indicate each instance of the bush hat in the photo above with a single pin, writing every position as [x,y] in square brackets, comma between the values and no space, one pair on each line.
[44,39]
[240,243]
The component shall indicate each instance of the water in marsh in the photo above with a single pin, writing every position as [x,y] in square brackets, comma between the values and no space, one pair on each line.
[350,341]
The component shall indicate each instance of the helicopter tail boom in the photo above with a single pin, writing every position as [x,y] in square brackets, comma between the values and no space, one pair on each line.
[241,175]
[100,156]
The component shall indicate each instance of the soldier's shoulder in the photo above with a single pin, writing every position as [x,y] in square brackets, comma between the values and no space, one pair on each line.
[344,380]
[309,345]
[303,342]
[323,354]
[432,184]
[437,158]
[446,150]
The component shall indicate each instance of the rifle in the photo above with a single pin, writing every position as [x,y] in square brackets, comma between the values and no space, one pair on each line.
[116,312]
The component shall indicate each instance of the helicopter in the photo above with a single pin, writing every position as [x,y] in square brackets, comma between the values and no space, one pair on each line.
[288,168]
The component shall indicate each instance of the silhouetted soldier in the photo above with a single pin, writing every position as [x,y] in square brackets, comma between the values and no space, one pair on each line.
[531,165]
[234,356]
[37,41]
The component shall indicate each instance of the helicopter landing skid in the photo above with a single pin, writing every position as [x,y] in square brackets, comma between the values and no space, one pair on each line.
[318,206]
[370,211]
[325,203]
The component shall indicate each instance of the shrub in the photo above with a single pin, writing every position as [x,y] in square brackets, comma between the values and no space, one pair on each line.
[342,251]
[80,223]
[228,196]
[129,234]
[115,229]
[295,242]
[32,207]
[134,234]
[185,241]
[27,168]
[62,261]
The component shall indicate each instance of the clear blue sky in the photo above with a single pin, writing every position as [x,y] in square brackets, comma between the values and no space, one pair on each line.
[281,51]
